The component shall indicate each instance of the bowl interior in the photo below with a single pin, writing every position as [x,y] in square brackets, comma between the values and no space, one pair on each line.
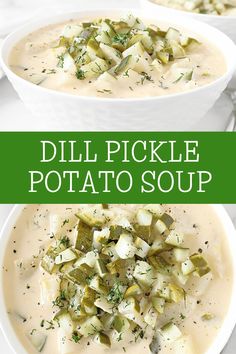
[220,340]
[199,17]
[191,27]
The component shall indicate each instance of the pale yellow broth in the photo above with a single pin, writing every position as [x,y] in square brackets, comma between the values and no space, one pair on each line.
[35,59]
[210,294]
[179,5]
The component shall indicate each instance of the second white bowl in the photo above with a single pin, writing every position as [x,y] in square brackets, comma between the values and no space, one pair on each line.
[226,24]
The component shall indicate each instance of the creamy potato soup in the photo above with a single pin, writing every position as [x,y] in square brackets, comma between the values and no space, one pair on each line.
[116,58]
[207,7]
[117,278]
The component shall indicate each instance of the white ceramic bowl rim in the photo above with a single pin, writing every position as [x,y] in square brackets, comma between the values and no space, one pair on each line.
[220,340]
[177,19]
[224,17]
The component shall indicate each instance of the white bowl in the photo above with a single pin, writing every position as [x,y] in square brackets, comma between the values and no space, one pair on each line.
[226,24]
[219,342]
[178,111]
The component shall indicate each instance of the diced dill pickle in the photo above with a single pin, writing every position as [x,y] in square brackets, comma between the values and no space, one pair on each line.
[86,269]
[144,217]
[98,285]
[130,307]
[177,294]
[110,53]
[167,219]
[101,267]
[125,247]
[87,24]
[66,267]
[84,239]
[103,37]
[60,314]
[142,247]
[189,75]
[171,332]
[102,338]
[65,256]
[92,218]
[121,27]
[133,291]
[101,237]
[68,288]
[48,264]
[160,227]
[203,271]
[193,42]
[153,31]
[175,238]
[102,303]
[120,323]
[124,65]
[107,320]
[185,40]
[160,264]
[163,56]
[158,246]
[159,304]
[173,34]
[117,266]
[101,283]
[81,274]
[90,326]
[201,266]
[78,313]
[63,42]
[144,274]
[161,33]
[116,231]
[93,49]
[88,294]
[144,232]
[110,29]
[77,276]
[134,39]
[155,209]
[187,267]
[177,51]
[198,260]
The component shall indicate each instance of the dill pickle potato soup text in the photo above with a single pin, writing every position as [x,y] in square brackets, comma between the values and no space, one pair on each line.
[156,152]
